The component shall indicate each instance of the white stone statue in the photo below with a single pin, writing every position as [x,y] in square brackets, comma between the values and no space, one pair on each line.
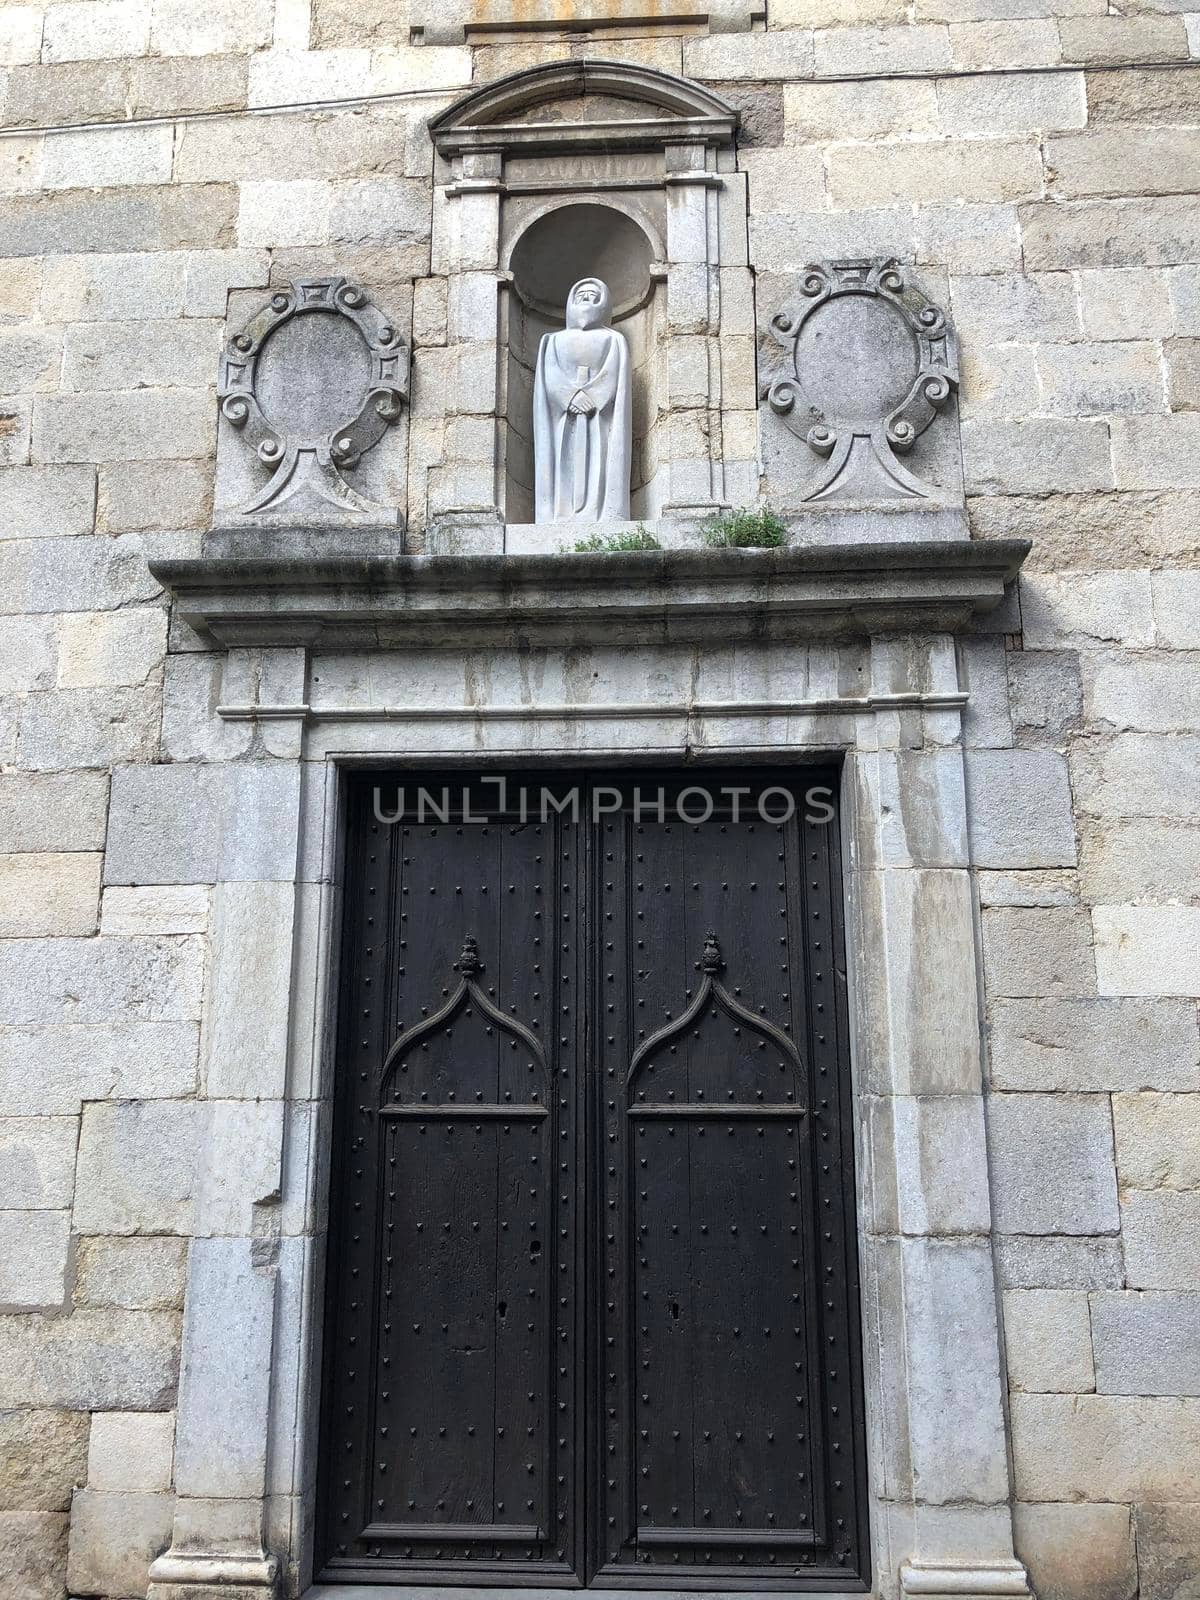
[583,414]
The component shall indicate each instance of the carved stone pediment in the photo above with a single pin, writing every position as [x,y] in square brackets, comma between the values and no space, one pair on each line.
[623,107]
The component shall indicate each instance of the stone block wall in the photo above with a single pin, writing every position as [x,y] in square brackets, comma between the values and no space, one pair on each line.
[1045,169]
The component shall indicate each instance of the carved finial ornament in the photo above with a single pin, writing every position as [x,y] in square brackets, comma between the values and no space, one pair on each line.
[468,964]
[316,422]
[870,362]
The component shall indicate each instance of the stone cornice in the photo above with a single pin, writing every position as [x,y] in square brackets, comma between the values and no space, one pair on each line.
[644,597]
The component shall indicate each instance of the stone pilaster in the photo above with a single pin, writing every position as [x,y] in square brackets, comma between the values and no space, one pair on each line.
[231,1303]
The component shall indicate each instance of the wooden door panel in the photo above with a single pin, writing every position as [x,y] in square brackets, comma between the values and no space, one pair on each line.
[592,1285]
[450,1412]
[726,1115]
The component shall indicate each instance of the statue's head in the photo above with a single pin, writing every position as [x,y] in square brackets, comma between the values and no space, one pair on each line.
[589,304]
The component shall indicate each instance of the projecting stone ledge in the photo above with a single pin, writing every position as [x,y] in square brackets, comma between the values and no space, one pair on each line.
[644,597]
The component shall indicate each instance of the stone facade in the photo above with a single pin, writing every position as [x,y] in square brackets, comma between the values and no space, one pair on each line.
[1024,782]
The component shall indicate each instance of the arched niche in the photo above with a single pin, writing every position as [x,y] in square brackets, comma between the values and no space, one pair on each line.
[551,251]
[591,167]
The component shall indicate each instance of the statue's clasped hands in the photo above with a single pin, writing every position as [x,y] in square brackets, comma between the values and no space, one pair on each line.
[581,405]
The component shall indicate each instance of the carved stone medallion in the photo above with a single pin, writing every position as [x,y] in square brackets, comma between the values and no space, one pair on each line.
[869,361]
[312,382]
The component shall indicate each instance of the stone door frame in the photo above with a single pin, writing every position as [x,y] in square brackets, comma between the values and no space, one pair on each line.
[938,1464]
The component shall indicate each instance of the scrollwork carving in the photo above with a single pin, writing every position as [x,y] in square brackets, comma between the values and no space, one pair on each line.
[869,361]
[333,406]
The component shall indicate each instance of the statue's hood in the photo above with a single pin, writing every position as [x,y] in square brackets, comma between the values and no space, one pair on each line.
[589,316]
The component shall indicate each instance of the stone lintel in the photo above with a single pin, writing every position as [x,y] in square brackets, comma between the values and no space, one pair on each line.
[646,597]
[635,134]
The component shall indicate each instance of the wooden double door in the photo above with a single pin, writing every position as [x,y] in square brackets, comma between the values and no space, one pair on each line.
[592,1306]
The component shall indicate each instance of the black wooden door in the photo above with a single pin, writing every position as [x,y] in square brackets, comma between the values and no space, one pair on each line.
[592,1283]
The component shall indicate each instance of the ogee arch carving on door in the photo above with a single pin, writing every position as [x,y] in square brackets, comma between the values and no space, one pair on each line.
[468,966]
[712,992]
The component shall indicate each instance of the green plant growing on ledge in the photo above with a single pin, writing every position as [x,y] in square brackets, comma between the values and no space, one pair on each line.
[745,529]
[639,538]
